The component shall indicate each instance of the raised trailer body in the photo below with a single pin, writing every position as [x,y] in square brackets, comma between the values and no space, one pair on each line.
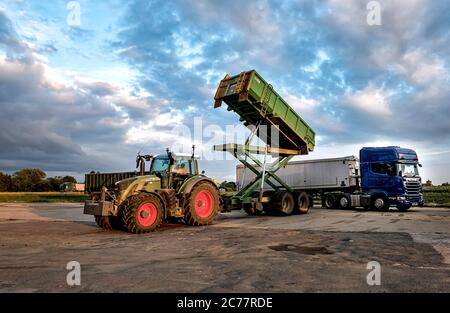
[257,103]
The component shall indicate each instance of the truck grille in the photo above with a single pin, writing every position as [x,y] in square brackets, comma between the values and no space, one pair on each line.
[413,191]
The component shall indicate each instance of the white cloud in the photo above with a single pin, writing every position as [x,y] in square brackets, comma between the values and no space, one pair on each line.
[314,68]
[421,68]
[370,99]
[142,132]
[147,133]
[301,103]
[173,117]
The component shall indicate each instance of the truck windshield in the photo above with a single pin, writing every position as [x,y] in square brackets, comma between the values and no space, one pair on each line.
[160,165]
[407,170]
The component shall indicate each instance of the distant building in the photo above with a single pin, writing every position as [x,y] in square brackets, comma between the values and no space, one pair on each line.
[72,187]
[429,183]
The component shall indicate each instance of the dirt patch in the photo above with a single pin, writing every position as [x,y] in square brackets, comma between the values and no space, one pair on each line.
[301,250]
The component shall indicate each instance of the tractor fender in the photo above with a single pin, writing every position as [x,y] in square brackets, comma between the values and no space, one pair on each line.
[192,181]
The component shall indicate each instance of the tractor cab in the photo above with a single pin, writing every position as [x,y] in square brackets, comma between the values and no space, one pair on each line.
[174,168]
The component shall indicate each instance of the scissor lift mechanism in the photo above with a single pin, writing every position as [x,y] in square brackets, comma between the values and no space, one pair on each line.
[264,174]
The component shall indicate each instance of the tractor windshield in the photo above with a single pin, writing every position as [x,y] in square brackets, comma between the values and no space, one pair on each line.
[160,166]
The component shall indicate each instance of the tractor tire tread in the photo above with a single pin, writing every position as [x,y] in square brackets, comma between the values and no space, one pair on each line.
[190,217]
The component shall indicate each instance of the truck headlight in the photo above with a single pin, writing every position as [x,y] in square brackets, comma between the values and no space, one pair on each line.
[401,198]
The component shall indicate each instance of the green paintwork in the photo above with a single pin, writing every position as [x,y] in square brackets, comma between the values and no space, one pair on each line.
[191,181]
[147,183]
[95,181]
[245,195]
[254,100]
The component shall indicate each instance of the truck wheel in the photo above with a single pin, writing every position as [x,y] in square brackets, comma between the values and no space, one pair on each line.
[201,205]
[109,222]
[403,208]
[380,203]
[250,209]
[303,203]
[143,213]
[329,201]
[283,202]
[344,202]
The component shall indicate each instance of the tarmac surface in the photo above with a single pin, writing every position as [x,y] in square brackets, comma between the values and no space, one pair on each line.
[323,251]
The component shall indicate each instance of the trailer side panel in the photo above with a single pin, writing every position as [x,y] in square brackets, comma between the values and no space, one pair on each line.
[324,174]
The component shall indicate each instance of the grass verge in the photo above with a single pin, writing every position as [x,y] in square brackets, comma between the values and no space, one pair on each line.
[42,197]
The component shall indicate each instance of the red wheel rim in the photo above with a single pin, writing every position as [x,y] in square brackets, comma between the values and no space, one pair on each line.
[147,214]
[204,203]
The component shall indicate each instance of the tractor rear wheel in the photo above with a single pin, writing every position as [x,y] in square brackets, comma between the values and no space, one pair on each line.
[143,213]
[109,222]
[201,205]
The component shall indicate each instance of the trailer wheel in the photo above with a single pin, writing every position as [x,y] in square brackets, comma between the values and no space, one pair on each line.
[344,202]
[143,213]
[303,202]
[109,222]
[380,203]
[283,202]
[329,201]
[250,209]
[201,205]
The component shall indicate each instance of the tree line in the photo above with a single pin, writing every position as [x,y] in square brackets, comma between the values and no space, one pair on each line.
[31,179]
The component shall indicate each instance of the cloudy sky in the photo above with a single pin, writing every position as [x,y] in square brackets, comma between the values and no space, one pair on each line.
[76,97]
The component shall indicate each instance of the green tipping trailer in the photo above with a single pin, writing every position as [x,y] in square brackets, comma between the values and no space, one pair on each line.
[283,131]
[95,181]
[255,101]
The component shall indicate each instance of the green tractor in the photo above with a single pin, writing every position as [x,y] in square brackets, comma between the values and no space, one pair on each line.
[171,189]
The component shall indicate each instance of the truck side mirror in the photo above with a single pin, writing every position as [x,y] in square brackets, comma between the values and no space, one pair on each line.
[420,165]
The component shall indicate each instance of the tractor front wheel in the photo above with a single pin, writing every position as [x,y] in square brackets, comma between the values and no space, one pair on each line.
[109,222]
[201,205]
[143,213]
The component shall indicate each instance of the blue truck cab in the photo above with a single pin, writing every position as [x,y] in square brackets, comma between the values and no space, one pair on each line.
[390,175]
